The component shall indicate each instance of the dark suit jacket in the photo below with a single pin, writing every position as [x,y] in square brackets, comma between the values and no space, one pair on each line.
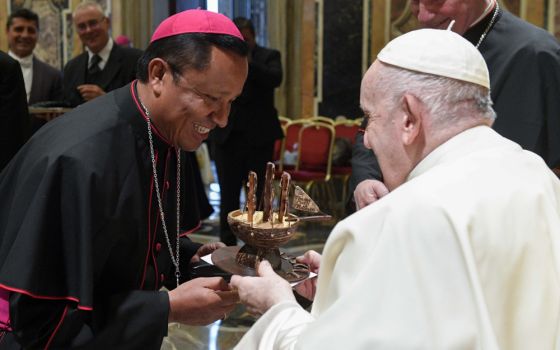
[119,71]
[46,84]
[253,112]
[14,118]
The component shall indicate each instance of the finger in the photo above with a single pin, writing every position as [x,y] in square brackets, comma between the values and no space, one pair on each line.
[235,281]
[265,269]
[229,297]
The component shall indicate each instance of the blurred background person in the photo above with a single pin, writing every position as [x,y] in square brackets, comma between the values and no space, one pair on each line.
[247,143]
[14,120]
[103,66]
[123,40]
[42,81]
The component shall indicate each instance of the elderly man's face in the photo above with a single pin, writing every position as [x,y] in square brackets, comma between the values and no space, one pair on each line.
[438,14]
[199,101]
[92,27]
[22,36]
[382,131]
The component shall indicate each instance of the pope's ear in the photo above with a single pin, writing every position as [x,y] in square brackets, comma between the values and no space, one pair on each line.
[412,118]
[156,72]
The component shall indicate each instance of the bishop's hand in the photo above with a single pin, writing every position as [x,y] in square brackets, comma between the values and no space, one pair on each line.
[206,249]
[201,301]
[369,191]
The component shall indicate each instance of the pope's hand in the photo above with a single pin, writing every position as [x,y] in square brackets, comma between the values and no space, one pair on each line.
[201,301]
[90,91]
[308,287]
[261,293]
[205,250]
[369,191]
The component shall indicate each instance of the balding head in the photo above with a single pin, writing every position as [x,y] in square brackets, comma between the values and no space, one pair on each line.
[415,104]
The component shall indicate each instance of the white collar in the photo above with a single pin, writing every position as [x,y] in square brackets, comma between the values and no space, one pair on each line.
[104,53]
[25,62]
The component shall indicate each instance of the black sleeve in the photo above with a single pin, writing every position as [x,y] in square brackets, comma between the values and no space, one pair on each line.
[56,91]
[14,118]
[364,162]
[131,320]
[268,73]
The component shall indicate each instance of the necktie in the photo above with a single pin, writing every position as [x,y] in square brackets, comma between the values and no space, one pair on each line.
[94,65]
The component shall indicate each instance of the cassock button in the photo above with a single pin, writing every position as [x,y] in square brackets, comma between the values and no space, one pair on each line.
[158,247]
[162,277]
[167,185]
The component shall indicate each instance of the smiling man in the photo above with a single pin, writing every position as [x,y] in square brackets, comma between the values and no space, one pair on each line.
[103,66]
[95,209]
[42,82]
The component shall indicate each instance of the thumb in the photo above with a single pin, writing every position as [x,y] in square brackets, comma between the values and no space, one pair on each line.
[265,269]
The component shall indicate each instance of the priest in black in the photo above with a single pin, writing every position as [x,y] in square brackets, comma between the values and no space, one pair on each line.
[103,66]
[247,142]
[95,208]
[524,65]
[14,119]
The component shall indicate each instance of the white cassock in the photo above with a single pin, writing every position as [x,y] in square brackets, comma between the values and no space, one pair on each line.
[464,255]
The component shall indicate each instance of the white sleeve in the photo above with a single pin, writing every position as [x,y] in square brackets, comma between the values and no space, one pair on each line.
[278,328]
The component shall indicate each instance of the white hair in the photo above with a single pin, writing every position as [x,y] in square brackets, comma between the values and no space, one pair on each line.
[89,3]
[448,101]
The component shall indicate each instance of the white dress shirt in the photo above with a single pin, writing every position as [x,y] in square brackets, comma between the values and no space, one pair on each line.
[26,64]
[103,54]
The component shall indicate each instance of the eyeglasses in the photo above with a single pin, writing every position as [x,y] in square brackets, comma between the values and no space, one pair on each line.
[91,24]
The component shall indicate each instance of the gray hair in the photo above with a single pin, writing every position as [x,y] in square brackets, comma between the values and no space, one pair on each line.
[447,100]
[89,3]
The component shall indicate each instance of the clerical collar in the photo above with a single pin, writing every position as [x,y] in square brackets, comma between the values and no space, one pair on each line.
[473,33]
[104,53]
[25,62]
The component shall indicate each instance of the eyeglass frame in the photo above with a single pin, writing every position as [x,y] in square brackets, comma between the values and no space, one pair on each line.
[91,24]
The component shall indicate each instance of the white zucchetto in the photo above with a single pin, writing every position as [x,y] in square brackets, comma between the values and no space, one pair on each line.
[438,52]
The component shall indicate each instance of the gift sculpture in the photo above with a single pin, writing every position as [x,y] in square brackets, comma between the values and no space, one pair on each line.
[265,231]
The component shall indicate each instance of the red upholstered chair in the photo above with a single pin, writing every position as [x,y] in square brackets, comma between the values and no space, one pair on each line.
[313,167]
[290,141]
[322,120]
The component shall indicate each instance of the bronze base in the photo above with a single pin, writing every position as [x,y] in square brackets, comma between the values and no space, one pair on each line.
[241,261]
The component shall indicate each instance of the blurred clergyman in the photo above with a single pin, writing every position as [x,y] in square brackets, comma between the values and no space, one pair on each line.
[247,143]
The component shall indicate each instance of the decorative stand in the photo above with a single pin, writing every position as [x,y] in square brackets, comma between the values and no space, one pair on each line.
[265,231]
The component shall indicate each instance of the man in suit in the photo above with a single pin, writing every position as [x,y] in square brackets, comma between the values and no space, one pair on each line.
[42,82]
[247,143]
[103,66]
[13,109]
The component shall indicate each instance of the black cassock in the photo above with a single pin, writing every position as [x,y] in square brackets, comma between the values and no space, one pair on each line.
[82,251]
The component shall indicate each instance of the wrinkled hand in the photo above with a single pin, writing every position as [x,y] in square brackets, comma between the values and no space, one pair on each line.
[201,301]
[261,293]
[369,191]
[308,287]
[90,91]
[205,250]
